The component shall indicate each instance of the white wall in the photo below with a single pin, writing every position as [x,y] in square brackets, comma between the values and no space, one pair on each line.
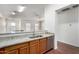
[68,27]
[49,17]
[2,25]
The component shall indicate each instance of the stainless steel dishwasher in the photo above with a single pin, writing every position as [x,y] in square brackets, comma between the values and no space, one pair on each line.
[50,43]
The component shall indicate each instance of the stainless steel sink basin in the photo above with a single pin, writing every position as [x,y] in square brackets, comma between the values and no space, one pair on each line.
[36,36]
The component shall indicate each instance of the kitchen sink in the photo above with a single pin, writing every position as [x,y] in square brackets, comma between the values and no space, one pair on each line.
[36,36]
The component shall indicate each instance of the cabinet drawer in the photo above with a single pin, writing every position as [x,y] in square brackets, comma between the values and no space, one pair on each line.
[16,46]
[12,52]
[34,42]
[44,39]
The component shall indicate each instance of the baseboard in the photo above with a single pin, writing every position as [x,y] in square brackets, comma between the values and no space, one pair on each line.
[67,48]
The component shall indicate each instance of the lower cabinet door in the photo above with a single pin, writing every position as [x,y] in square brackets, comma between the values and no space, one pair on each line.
[34,49]
[24,50]
[43,45]
[13,52]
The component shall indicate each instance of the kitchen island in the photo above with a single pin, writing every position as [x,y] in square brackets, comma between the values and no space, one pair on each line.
[28,45]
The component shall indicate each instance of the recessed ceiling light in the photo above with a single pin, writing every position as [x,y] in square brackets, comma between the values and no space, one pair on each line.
[13,13]
[21,8]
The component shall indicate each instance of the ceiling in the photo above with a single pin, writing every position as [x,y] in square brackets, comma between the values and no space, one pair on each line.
[31,10]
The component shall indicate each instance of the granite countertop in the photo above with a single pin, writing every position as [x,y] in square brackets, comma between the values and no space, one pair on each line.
[6,43]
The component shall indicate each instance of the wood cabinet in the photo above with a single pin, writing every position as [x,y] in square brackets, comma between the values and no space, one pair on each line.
[34,47]
[12,52]
[17,49]
[42,46]
[24,50]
